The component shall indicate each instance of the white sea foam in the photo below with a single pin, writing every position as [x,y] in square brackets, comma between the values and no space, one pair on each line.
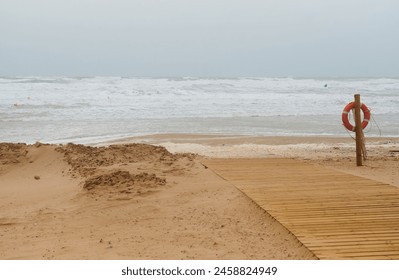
[61,109]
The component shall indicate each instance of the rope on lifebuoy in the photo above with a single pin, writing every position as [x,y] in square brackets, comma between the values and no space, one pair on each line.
[348,108]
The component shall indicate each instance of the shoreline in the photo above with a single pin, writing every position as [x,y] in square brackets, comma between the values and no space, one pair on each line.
[218,139]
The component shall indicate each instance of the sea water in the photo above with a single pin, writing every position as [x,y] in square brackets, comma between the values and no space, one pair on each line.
[95,109]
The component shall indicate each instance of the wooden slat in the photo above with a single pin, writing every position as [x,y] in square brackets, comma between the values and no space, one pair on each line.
[334,214]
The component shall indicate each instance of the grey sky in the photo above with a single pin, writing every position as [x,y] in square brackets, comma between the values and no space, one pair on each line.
[199,37]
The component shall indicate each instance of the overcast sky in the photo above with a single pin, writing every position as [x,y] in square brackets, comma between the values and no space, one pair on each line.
[297,38]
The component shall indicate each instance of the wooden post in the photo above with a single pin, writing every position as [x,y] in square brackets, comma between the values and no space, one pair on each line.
[358,130]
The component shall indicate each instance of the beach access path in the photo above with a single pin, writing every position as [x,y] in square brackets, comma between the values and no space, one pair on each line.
[334,214]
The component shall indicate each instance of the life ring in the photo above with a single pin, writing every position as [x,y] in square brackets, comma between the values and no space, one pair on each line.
[345,119]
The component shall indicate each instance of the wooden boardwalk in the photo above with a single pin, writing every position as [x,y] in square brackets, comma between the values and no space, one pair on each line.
[334,214]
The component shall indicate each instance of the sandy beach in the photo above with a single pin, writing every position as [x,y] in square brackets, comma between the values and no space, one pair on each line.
[151,197]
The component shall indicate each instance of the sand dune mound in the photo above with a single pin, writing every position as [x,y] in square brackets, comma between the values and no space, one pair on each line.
[33,177]
[116,178]
[123,171]
[123,182]
[12,153]
[86,160]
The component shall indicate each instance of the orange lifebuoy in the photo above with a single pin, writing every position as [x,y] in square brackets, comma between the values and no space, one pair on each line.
[345,119]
